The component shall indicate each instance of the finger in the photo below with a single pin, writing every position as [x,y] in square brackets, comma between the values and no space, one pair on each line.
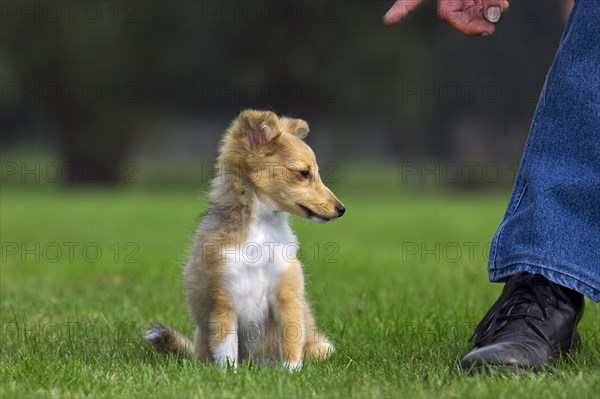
[465,17]
[400,10]
[493,9]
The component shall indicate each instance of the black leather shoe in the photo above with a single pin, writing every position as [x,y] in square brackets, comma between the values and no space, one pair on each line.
[528,327]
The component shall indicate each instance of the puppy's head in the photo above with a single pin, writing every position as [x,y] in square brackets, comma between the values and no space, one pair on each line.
[270,153]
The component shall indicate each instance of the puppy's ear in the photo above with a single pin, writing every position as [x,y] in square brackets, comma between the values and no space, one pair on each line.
[258,127]
[297,127]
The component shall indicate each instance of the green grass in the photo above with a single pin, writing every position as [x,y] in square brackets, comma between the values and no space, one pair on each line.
[386,283]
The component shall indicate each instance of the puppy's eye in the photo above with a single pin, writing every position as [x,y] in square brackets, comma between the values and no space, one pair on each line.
[305,173]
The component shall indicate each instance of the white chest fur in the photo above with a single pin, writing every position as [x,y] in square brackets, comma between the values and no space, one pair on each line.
[254,267]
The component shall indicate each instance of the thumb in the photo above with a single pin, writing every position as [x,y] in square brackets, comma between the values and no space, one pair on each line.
[493,9]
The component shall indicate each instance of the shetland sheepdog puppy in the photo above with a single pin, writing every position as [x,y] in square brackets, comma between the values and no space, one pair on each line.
[244,283]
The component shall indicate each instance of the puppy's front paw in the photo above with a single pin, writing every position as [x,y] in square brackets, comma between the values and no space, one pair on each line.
[293,366]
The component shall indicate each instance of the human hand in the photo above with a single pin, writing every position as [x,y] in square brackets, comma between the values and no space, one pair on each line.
[470,17]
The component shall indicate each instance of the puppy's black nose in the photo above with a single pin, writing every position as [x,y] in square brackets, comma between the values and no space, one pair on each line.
[340,208]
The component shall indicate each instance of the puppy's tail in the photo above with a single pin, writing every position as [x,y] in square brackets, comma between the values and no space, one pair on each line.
[167,340]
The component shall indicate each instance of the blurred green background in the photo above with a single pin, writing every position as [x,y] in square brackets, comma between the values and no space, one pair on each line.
[140,91]
[111,114]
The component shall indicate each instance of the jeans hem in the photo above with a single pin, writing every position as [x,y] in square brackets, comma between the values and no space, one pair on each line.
[502,273]
[513,205]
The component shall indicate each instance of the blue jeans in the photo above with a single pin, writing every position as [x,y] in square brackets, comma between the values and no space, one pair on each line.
[552,223]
